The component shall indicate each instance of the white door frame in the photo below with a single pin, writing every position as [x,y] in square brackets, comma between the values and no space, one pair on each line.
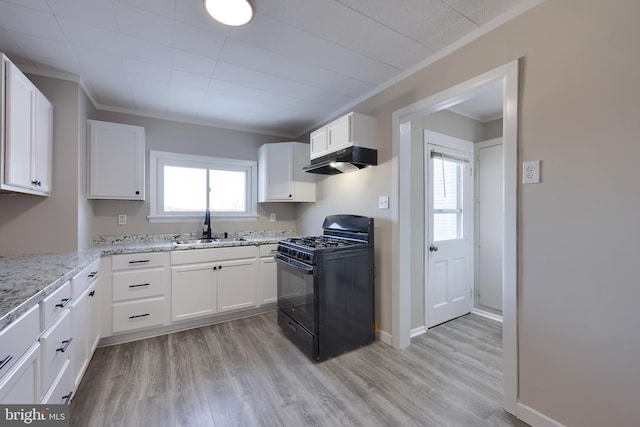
[401,215]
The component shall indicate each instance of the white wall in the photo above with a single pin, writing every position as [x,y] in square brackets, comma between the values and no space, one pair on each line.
[164,135]
[578,230]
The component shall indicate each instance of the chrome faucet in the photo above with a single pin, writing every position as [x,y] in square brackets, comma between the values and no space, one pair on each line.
[207,221]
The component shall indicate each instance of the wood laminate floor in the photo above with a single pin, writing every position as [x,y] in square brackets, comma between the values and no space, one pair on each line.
[246,373]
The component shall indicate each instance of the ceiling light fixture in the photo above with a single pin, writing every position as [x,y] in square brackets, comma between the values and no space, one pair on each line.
[230,12]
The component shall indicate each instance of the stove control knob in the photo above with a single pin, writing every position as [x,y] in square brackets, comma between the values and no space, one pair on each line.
[307,257]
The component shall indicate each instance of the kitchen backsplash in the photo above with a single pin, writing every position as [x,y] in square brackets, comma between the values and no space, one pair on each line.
[156,238]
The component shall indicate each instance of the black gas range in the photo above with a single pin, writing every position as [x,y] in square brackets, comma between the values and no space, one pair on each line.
[326,302]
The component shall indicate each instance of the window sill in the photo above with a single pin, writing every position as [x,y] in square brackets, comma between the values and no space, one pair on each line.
[198,218]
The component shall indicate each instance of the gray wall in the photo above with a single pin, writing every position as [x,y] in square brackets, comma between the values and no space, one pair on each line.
[164,135]
[34,224]
[578,230]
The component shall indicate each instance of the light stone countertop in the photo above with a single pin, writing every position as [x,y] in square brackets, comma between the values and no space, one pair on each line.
[26,280]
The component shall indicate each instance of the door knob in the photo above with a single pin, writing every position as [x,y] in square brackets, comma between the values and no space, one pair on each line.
[433,248]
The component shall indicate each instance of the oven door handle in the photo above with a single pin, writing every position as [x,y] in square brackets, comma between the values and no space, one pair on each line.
[308,269]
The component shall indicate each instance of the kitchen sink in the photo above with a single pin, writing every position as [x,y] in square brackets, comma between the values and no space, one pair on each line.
[188,242]
[230,239]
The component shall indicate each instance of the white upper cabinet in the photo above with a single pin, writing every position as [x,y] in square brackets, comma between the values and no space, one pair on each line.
[354,129]
[27,137]
[116,161]
[280,174]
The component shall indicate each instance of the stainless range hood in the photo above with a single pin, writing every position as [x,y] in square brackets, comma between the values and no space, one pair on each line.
[349,159]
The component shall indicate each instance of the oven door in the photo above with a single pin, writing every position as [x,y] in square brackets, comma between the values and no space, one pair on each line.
[296,282]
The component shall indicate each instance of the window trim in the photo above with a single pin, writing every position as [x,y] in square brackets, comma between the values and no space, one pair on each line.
[159,159]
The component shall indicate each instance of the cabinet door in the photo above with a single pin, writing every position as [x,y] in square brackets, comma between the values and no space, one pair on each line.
[43,144]
[93,307]
[339,133]
[116,161]
[80,326]
[20,128]
[237,282]
[318,140]
[22,384]
[193,291]
[268,280]
[278,171]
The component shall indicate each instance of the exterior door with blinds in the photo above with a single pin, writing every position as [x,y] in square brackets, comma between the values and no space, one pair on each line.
[449,233]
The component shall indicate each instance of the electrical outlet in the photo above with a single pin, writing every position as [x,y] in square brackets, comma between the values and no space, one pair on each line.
[531,172]
[272,217]
[122,219]
[383,202]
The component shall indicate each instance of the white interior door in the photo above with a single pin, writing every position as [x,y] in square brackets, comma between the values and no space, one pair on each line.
[449,219]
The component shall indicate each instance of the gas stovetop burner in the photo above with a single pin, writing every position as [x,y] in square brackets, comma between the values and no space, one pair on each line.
[320,242]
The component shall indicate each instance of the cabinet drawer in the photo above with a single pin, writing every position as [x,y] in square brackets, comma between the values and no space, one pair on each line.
[131,261]
[128,316]
[61,390]
[54,304]
[17,338]
[56,345]
[80,281]
[212,254]
[20,385]
[268,250]
[128,285]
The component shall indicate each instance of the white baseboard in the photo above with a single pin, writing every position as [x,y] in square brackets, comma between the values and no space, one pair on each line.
[385,337]
[488,315]
[535,418]
[418,331]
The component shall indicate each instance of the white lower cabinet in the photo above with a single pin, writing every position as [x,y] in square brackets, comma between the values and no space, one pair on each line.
[237,284]
[56,343]
[21,384]
[210,281]
[61,391]
[85,317]
[139,291]
[133,315]
[193,291]
[267,276]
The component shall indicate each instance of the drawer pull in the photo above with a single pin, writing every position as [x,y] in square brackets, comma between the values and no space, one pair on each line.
[92,293]
[65,346]
[67,398]
[63,302]
[93,274]
[139,315]
[144,261]
[140,285]
[5,361]
[293,327]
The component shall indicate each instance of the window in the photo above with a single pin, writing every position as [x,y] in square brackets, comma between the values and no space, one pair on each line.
[447,199]
[183,185]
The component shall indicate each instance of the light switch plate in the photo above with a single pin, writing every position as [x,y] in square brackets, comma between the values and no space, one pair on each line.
[531,172]
[122,219]
[383,202]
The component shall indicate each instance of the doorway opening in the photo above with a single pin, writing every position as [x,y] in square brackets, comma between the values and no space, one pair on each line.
[409,214]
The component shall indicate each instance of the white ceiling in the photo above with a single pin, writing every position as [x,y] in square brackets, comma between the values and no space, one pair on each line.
[294,66]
